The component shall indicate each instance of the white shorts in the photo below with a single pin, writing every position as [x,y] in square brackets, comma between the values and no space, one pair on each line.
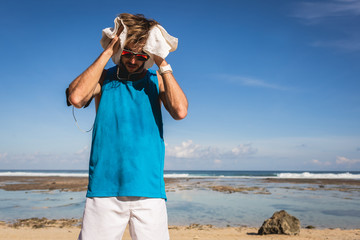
[107,217]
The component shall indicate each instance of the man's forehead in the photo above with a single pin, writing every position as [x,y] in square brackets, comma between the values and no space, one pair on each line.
[133,48]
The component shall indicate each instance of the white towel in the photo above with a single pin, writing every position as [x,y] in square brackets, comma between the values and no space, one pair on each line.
[159,42]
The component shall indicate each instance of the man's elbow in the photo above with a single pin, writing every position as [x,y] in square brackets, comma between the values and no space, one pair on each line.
[180,113]
[75,101]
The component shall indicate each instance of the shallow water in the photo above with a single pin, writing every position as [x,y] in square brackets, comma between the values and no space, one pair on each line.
[192,201]
[49,204]
[321,208]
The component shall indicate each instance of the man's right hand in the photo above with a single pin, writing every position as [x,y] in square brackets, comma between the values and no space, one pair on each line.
[114,45]
[86,85]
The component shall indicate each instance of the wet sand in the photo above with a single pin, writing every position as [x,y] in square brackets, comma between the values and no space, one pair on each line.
[70,184]
[75,184]
[15,183]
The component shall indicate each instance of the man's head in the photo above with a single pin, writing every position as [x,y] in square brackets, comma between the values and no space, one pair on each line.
[133,58]
[138,28]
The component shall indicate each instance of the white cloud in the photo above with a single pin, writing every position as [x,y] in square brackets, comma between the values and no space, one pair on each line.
[243,149]
[316,161]
[319,10]
[344,160]
[251,82]
[188,149]
[84,150]
[320,163]
[320,13]
[41,160]
[217,161]
[189,155]
[345,44]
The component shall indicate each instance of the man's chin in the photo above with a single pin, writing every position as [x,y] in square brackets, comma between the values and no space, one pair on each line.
[132,69]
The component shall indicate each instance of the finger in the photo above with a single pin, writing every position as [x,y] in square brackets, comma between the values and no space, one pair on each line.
[121,28]
[114,41]
[117,46]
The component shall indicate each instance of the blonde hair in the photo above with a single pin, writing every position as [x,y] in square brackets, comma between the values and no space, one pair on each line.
[138,28]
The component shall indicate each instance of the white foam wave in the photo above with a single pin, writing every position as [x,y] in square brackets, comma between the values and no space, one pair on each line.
[320,175]
[185,175]
[42,174]
[304,175]
[175,175]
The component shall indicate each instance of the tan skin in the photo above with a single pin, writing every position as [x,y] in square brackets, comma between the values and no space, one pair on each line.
[88,83]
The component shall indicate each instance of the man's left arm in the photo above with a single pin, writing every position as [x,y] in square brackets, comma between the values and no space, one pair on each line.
[171,94]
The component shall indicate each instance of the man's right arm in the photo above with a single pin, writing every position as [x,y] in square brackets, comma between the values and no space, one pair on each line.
[86,85]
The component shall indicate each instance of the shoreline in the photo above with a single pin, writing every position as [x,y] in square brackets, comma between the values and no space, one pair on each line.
[67,229]
[78,184]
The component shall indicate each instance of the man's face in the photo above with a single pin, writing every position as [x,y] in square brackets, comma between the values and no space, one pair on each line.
[131,62]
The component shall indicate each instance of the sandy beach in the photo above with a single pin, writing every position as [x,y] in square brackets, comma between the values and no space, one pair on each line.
[62,230]
[42,228]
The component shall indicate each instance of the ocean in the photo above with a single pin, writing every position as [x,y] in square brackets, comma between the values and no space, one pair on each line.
[192,199]
[202,174]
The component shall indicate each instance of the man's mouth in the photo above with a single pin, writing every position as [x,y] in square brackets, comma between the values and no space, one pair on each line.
[132,66]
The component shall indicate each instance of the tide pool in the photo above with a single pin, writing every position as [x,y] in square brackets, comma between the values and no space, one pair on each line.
[193,201]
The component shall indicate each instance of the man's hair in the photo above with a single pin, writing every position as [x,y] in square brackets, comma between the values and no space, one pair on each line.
[138,28]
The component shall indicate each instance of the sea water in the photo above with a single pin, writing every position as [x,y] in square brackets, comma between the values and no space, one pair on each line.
[48,204]
[323,209]
[320,208]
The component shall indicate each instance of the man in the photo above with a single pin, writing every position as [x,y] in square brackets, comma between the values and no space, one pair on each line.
[126,184]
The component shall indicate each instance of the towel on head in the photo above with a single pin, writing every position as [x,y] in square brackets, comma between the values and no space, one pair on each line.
[159,42]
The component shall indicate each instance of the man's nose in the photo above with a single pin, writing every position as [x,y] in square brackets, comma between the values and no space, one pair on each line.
[132,59]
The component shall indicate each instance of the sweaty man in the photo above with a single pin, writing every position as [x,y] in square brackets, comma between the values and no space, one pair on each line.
[126,183]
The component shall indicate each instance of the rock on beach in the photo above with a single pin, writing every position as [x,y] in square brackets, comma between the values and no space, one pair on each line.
[280,223]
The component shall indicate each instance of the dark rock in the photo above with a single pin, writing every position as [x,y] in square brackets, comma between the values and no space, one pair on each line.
[281,223]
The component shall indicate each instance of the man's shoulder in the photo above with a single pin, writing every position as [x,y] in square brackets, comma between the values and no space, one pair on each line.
[152,72]
[110,73]
[112,69]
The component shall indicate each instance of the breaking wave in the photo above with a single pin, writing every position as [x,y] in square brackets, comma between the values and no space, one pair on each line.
[346,175]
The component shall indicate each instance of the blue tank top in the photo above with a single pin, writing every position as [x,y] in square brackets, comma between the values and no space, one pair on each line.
[127,152]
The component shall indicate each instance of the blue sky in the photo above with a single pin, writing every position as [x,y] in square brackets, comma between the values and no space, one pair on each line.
[272,85]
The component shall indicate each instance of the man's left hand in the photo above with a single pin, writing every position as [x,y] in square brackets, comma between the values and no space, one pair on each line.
[159,61]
